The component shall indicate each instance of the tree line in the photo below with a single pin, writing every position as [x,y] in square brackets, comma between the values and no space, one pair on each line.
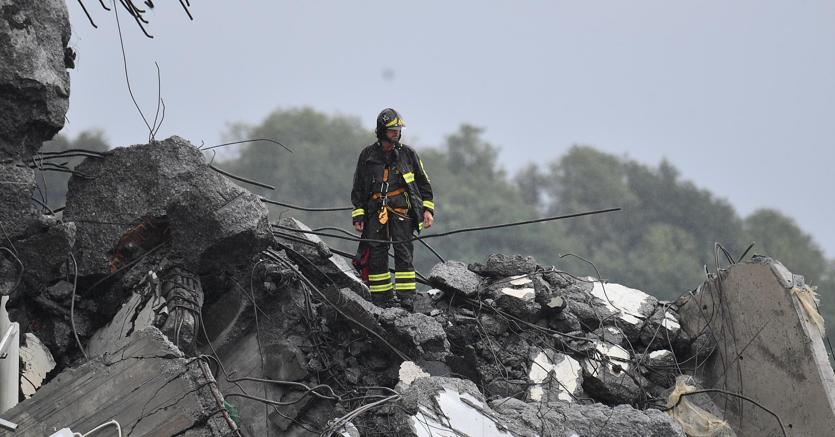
[663,241]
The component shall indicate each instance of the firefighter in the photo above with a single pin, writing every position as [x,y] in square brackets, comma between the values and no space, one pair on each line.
[392,198]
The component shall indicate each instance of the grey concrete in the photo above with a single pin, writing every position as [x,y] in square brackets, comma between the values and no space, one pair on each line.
[454,276]
[34,81]
[16,187]
[499,265]
[210,218]
[147,386]
[36,362]
[567,419]
[766,350]
[135,315]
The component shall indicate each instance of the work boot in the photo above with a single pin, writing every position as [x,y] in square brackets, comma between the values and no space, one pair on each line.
[383,300]
[407,299]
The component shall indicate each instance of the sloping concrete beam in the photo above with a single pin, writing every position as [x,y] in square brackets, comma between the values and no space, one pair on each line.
[767,350]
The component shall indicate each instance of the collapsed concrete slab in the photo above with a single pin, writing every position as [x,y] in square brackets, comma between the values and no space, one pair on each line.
[208,217]
[768,349]
[147,386]
[571,419]
[34,81]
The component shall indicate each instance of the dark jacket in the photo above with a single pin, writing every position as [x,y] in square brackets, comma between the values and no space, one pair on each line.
[368,179]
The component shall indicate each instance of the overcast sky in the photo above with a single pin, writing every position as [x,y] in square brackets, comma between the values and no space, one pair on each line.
[739,95]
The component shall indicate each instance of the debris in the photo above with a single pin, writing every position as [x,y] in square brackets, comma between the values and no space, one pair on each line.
[34,79]
[36,363]
[499,265]
[454,276]
[766,345]
[147,386]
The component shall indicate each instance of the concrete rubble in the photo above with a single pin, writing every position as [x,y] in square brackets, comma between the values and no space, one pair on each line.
[164,299]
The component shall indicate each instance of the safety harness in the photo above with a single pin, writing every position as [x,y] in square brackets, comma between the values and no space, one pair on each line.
[382,214]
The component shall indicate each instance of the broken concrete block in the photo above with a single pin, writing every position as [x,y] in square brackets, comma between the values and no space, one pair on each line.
[36,362]
[500,265]
[448,406]
[633,307]
[663,331]
[46,254]
[766,344]
[209,214]
[422,332]
[16,187]
[555,377]
[409,372]
[572,419]
[135,315]
[517,388]
[660,368]
[525,309]
[147,386]
[607,376]
[610,335]
[33,75]
[454,276]
[554,304]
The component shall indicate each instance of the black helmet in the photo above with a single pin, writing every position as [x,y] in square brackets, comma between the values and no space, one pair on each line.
[388,119]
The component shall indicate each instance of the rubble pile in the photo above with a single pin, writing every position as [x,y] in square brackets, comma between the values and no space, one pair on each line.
[289,332]
[162,301]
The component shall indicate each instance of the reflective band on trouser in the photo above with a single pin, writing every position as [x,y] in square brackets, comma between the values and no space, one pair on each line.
[405,281]
[357,212]
[409,177]
[429,204]
[379,282]
[380,288]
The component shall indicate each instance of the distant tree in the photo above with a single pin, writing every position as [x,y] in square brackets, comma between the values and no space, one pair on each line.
[778,236]
[52,185]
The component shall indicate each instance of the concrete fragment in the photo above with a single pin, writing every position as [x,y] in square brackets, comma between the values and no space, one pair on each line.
[210,217]
[34,81]
[16,187]
[135,315]
[663,331]
[147,386]
[45,253]
[573,419]
[607,377]
[500,265]
[554,377]
[455,277]
[660,368]
[783,359]
[36,363]
[409,372]
[420,331]
[633,306]
[448,406]
[525,309]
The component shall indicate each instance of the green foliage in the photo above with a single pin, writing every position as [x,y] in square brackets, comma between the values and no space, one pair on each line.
[52,185]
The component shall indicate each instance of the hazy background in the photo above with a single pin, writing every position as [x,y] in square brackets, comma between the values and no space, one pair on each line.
[739,96]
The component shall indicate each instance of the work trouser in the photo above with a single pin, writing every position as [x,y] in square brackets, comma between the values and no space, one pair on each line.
[398,228]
